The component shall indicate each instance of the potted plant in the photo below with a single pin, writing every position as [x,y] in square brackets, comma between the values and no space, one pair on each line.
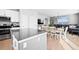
[50,25]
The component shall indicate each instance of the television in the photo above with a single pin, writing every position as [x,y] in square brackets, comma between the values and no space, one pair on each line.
[39,21]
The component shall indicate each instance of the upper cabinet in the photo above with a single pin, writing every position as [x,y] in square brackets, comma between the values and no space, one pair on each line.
[28,19]
[13,14]
[33,22]
[2,12]
[24,22]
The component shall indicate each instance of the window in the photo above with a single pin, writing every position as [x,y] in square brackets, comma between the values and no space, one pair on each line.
[63,19]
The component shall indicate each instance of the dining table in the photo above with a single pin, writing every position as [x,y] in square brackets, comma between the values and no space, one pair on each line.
[57,32]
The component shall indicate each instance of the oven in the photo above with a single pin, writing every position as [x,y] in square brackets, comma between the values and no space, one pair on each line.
[4,31]
[5,26]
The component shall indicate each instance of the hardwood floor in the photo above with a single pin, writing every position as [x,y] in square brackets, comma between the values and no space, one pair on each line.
[6,44]
[52,43]
[74,39]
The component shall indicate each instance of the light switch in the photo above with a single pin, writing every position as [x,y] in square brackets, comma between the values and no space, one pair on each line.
[24,45]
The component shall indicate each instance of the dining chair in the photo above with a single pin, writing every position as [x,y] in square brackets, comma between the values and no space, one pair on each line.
[62,33]
[65,33]
[53,33]
[58,34]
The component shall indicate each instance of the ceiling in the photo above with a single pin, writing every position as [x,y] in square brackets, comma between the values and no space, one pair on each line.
[53,12]
[56,12]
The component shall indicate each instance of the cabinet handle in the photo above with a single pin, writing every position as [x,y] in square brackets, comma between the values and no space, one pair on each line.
[24,45]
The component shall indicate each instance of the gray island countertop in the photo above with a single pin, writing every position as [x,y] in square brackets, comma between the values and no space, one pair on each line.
[21,34]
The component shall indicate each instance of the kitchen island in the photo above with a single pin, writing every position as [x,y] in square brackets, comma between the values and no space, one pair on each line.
[29,39]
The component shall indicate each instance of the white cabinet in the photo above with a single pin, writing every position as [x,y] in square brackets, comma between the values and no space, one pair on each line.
[42,38]
[24,21]
[38,42]
[2,12]
[33,22]
[28,19]
[13,14]
[15,42]
[31,44]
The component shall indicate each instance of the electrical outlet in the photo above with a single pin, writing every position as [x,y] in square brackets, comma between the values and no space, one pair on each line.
[24,45]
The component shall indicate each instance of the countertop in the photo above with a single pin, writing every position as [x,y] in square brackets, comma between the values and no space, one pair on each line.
[21,34]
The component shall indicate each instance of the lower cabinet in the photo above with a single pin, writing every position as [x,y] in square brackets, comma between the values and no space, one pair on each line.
[15,43]
[38,42]
[43,41]
[30,44]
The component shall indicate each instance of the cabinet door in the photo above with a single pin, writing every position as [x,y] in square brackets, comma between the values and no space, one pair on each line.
[33,22]
[15,42]
[43,41]
[37,43]
[13,14]
[16,17]
[32,44]
[24,21]
[2,12]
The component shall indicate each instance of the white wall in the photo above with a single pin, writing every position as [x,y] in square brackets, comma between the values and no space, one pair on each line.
[73,19]
[77,18]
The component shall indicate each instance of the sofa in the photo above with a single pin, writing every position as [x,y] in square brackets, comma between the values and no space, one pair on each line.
[74,30]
